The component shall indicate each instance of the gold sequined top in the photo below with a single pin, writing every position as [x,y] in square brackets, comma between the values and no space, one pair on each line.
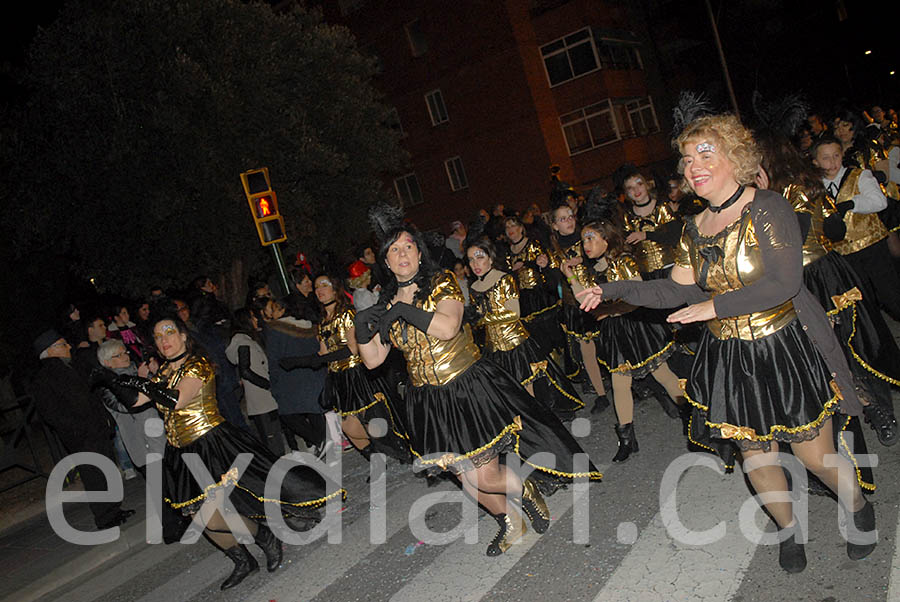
[429,360]
[503,328]
[201,414]
[816,244]
[863,229]
[528,276]
[622,267]
[558,255]
[650,255]
[335,334]
[728,261]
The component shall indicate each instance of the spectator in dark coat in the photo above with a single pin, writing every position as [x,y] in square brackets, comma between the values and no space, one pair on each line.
[297,392]
[64,401]
[214,335]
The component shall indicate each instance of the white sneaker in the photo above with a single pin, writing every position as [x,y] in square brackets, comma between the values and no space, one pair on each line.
[129,474]
[323,451]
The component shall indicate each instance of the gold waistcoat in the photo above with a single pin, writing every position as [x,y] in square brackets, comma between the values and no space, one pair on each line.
[816,244]
[558,256]
[335,333]
[201,414]
[503,328]
[650,255]
[863,229]
[429,360]
[622,267]
[738,263]
[527,276]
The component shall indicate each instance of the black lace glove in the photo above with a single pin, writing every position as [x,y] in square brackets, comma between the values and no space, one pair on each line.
[418,318]
[157,392]
[367,322]
[314,360]
[834,227]
[246,372]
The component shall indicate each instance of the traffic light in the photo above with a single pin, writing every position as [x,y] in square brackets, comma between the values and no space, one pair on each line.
[263,206]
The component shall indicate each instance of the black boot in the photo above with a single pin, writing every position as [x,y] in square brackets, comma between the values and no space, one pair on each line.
[882,421]
[512,528]
[535,507]
[244,564]
[627,442]
[791,553]
[864,519]
[600,404]
[270,545]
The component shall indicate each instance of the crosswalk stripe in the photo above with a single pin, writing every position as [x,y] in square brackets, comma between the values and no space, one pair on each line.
[121,573]
[659,568]
[324,566]
[473,574]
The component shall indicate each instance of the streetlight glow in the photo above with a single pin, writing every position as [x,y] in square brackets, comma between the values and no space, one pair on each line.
[868,52]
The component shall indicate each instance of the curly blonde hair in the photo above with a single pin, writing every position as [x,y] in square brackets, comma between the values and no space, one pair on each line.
[730,137]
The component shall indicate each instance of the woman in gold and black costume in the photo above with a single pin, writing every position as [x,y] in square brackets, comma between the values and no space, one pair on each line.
[357,395]
[461,412]
[650,228]
[768,370]
[539,302]
[507,342]
[629,346]
[579,327]
[183,391]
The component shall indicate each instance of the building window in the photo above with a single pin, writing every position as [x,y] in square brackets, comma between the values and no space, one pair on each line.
[636,116]
[418,43]
[456,173]
[570,57]
[393,121]
[436,107]
[408,190]
[614,54]
[590,127]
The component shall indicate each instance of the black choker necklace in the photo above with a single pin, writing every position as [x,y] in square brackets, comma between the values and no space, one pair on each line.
[633,204]
[177,357]
[731,201]
[483,276]
[330,303]
[408,282]
[518,241]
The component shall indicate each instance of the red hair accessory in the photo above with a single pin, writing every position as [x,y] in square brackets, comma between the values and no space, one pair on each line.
[357,269]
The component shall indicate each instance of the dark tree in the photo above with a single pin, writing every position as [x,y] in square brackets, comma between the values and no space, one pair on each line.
[141,115]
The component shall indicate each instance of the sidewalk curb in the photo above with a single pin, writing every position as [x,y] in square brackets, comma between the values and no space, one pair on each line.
[130,538]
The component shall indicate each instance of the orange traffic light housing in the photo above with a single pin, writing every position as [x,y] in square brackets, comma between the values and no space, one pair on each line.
[263,206]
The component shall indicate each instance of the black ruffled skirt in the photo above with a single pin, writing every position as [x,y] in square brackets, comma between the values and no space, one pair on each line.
[303,491]
[483,413]
[527,363]
[540,315]
[356,392]
[628,344]
[753,392]
[868,343]
[580,325]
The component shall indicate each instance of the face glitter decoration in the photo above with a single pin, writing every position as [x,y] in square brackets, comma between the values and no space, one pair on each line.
[706,147]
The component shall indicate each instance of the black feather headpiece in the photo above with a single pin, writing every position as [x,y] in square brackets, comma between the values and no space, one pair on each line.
[599,206]
[783,117]
[474,231]
[383,218]
[690,107]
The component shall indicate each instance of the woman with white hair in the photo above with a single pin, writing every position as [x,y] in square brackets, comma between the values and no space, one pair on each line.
[133,427]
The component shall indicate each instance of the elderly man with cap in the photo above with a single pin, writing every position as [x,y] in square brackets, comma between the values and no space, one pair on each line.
[63,398]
